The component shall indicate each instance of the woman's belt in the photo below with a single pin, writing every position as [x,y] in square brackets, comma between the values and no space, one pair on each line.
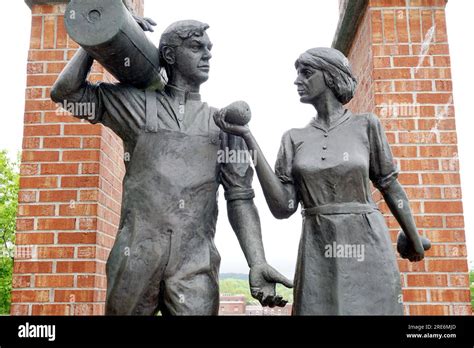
[339,208]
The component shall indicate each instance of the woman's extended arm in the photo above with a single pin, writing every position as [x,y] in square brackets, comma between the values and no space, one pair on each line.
[281,197]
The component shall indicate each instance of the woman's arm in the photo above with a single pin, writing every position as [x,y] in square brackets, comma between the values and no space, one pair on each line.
[281,198]
[399,205]
[383,173]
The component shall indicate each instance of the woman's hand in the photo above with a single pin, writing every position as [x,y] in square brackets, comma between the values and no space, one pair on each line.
[418,253]
[412,250]
[145,23]
[219,119]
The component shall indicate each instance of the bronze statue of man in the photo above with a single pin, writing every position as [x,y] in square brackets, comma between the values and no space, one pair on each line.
[164,257]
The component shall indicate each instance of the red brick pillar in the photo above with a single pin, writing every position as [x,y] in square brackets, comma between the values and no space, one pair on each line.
[399,51]
[70,186]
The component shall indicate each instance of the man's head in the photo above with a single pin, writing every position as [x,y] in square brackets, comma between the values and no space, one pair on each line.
[185,51]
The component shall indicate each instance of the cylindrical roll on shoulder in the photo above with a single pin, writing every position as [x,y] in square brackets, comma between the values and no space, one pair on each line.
[109,33]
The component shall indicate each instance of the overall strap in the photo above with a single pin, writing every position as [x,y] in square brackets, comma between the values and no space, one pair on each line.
[214,136]
[151,112]
[210,120]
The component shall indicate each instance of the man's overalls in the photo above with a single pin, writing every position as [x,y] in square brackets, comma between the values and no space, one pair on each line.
[164,257]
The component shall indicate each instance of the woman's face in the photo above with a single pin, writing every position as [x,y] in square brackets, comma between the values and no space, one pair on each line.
[310,83]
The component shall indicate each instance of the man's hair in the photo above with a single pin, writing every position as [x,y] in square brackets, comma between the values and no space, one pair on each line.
[176,33]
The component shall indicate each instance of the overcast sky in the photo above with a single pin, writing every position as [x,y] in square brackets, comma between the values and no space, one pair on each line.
[255,45]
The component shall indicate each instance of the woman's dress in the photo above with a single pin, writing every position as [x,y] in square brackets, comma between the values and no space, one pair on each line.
[346,263]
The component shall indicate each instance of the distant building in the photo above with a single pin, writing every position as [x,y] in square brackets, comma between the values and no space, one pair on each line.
[232,305]
[236,305]
[252,310]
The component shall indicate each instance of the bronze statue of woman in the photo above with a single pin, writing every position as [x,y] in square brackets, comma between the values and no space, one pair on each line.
[346,264]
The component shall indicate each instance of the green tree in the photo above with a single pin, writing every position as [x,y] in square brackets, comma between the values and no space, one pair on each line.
[233,286]
[9,183]
[471,282]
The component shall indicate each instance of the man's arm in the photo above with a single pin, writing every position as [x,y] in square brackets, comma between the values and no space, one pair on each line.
[71,83]
[237,177]
[244,219]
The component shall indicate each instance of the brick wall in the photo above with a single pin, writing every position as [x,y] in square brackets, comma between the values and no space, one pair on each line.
[70,187]
[362,64]
[400,55]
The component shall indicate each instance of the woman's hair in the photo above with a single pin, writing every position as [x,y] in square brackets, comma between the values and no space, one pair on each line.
[336,70]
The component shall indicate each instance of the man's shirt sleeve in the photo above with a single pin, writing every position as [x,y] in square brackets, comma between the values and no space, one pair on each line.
[236,172]
[119,107]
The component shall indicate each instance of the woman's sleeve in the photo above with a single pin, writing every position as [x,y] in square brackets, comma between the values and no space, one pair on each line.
[382,169]
[284,162]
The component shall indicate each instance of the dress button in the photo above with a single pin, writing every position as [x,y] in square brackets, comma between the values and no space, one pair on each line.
[323,158]
[325,147]
[325,135]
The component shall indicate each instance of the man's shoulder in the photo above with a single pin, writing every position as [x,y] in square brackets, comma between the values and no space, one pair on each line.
[121,93]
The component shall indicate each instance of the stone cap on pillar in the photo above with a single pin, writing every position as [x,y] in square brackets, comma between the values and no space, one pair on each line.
[30,3]
[350,14]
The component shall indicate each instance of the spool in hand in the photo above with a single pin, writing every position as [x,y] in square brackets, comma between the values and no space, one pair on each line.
[405,248]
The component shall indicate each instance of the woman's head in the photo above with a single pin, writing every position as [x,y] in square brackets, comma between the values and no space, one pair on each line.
[321,68]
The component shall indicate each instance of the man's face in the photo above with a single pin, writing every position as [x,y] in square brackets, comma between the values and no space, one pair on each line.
[192,59]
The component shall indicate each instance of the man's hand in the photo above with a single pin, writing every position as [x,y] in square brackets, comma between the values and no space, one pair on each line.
[263,279]
[145,23]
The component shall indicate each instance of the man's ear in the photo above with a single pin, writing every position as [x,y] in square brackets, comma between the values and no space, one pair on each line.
[168,55]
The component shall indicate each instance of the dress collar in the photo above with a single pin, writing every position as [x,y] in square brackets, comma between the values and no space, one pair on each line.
[345,116]
[181,94]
